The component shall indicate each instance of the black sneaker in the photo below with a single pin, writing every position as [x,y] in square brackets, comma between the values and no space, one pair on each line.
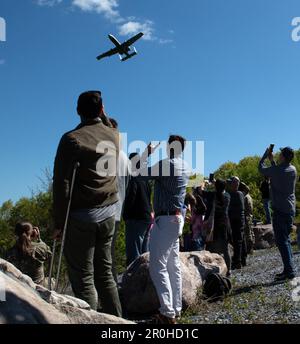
[236,267]
[284,277]
[280,274]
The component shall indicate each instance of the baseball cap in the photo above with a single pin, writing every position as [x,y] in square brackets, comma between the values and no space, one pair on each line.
[288,153]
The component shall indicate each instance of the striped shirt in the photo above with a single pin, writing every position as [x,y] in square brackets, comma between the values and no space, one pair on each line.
[171,178]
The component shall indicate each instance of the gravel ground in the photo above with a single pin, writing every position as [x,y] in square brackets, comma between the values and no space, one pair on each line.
[255,297]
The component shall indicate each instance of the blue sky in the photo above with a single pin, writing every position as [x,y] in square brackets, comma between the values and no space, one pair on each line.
[226,72]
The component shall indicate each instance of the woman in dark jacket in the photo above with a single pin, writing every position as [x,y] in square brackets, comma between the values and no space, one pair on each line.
[222,231]
[198,212]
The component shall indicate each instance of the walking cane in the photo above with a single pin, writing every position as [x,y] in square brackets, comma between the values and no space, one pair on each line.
[76,166]
[51,266]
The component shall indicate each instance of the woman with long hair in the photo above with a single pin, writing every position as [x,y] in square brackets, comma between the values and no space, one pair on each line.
[29,252]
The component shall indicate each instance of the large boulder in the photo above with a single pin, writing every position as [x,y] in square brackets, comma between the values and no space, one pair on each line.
[24,302]
[264,236]
[137,290]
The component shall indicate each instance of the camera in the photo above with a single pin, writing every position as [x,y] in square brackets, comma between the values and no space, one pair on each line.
[35,233]
[271,148]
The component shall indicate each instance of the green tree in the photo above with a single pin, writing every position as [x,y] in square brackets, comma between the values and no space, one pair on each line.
[6,233]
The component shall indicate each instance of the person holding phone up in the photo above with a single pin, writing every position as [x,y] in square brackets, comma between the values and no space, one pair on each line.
[29,252]
[283,176]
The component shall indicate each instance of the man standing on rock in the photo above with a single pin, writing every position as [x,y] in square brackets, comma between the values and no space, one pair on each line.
[92,217]
[171,177]
[283,178]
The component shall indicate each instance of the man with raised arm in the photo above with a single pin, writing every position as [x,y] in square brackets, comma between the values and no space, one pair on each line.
[283,176]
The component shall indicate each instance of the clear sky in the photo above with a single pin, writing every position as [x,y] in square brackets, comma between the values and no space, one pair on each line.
[226,72]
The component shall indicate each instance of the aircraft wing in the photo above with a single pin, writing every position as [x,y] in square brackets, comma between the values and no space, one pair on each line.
[108,53]
[133,40]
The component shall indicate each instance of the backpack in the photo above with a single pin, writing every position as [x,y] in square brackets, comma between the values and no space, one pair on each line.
[216,287]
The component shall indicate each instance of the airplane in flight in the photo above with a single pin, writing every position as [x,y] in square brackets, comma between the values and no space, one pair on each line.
[122,48]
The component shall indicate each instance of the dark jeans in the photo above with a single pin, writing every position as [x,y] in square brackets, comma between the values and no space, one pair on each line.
[137,239]
[282,225]
[113,251]
[198,244]
[266,203]
[239,243]
[244,249]
[88,256]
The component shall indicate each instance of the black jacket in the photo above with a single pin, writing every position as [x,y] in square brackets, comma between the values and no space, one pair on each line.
[237,206]
[265,190]
[137,205]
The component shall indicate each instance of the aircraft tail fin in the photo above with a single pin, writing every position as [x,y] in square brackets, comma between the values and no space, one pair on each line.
[128,56]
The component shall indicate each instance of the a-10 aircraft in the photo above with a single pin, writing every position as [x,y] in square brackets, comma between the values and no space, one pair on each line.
[123,49]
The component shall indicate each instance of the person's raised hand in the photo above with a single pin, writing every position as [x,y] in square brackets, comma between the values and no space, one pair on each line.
[152,148]
[104,117]
[270,155]
[266,153]
[37,233]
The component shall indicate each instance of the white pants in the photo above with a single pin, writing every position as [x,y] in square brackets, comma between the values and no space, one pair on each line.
[165,263]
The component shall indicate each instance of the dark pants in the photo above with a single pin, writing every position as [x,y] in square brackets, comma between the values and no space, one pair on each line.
[88,256]
[266,203]
[137,239]
[198,244]
[239,243]
[113,251]
[282,225]
[244,249]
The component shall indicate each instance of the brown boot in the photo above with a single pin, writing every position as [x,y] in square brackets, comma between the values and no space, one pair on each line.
[162,319]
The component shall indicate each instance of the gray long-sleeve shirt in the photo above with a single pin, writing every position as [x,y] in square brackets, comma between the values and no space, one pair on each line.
[283,183]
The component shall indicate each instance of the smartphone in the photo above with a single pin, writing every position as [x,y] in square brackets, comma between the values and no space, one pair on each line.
[211,177]
[271,147]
